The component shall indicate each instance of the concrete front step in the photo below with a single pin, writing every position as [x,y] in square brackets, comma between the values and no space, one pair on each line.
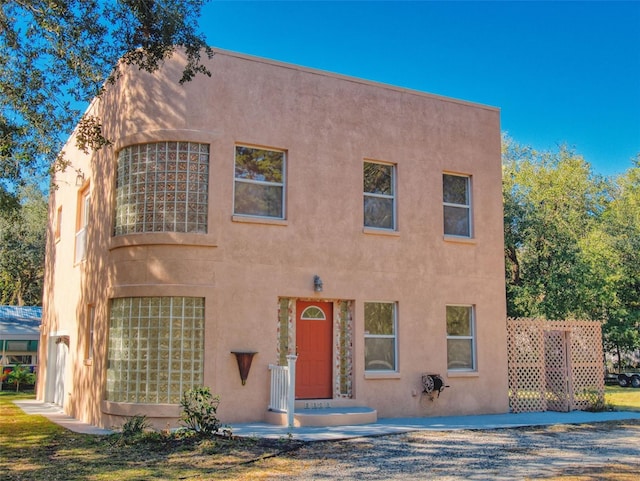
[329,416]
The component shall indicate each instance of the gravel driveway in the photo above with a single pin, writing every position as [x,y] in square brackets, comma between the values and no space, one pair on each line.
[588,452]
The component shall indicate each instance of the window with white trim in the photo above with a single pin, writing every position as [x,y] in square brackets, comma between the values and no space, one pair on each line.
[380,336]
[156,348]
[84,205]
[91,316]
[313,313]
[259,187]
[461,352]
[379,195]
[456,191]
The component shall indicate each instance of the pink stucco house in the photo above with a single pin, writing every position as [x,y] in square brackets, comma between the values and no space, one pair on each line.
[281,211]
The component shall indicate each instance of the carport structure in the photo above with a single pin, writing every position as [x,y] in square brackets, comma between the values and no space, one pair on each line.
[555,365]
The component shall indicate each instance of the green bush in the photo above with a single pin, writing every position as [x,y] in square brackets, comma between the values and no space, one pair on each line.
[199,411]
[135,426]
[21,375]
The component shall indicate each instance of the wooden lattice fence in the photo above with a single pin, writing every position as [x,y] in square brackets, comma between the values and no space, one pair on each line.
[555,365]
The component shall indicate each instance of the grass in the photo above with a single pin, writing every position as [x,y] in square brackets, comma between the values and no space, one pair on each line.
[622,398]
[34,449]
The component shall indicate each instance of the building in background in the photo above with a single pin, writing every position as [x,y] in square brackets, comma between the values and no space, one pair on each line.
[19,337]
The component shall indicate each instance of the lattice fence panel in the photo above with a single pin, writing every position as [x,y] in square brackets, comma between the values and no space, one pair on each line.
[526,365]
[554,365]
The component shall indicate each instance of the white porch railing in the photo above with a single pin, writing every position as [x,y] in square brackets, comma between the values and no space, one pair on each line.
[283,380]
[279,388]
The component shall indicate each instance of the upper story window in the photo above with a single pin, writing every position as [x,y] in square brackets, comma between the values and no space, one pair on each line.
[380,336]
[162,187]
[58,228]
[461,355]
[259,186]
[457,205]
[82,223]
[379,196]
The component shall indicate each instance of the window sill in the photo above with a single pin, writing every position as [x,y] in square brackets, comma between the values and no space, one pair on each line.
[460,240]
[381,375]
[162,238]
[384,232]
[131,409]
[259,220]
[463,374]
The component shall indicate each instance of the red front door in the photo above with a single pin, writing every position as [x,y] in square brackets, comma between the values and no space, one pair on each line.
[314,339]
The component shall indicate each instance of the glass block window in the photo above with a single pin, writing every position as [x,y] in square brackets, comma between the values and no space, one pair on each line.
[457,205]
[156,348]
[162,187]
[379,196]
[461,354]
[259,186]
[380,342]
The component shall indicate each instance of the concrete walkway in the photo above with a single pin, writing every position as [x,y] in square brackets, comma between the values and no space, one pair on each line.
[383,426]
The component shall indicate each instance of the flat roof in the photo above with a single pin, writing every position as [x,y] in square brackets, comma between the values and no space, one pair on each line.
[20,322]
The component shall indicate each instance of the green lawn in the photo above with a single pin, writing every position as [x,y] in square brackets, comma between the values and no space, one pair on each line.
[622,398]
[34,449]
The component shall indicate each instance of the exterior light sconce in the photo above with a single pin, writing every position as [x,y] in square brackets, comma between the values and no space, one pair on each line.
[79,178]
[317,283]
[244,359]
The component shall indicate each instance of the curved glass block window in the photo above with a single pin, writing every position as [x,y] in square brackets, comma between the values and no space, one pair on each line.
[379,196]
[259,186]
[312,313]
[156,348]
[162,187]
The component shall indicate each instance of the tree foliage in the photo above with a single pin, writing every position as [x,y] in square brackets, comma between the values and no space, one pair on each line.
[56,55]
[572,241]
[22,248]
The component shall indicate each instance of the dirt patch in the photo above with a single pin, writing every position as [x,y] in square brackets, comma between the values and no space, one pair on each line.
[602,451]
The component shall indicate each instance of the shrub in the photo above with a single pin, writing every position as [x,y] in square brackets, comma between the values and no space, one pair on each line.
[199,409]
[135,426]
[21,375]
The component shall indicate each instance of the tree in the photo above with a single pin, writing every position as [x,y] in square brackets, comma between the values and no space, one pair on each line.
[572,242]
[551,201]
[620,234]
[22,248]
[56,55]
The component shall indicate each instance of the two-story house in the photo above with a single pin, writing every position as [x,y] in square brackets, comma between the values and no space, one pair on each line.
[281,211]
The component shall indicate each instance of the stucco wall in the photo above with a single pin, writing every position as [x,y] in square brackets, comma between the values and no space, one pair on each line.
[328,125]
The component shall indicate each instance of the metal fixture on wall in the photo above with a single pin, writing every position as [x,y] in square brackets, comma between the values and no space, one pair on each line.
[244,359]
[317,283]
[79,177]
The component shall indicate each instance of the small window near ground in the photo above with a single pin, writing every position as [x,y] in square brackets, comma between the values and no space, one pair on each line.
[259,187]
[380,336]
[461,354]
[379,196]
[457,205]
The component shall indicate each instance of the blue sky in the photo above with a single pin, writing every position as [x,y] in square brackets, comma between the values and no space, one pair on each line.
[561,72]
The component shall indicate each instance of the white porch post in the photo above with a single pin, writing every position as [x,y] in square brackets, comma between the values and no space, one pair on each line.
[291,401]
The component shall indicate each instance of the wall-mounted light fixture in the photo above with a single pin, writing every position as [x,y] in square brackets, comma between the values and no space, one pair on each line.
[244,359]
[317,283]
[79,177]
